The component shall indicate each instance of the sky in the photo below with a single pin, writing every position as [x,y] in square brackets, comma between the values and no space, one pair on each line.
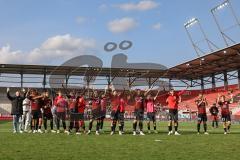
[50,32]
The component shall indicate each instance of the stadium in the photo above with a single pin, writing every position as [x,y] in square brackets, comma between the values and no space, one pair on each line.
[81,109]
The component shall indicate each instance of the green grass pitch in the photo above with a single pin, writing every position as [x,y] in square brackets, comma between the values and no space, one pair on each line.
[188,146]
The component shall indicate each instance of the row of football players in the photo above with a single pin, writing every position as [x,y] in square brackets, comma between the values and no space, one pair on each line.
[74,104]
[40,108]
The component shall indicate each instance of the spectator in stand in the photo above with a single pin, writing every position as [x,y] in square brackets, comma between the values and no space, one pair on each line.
[17,109]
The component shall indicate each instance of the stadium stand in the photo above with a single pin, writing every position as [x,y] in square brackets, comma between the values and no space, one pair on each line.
[187,105]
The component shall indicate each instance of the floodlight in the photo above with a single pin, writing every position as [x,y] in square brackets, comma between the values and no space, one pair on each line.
[190,22]
[221,6]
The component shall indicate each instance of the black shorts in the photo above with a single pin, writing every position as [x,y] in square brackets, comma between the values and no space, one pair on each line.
[151,116]
[72,114]
[103,114]
[96,114]
[139,115]
[61,115]
[226,118]
[72,111]
[36,114]
[115,115]
[202,117]
[76,116]
[121,116]
[48,116]
[173,115]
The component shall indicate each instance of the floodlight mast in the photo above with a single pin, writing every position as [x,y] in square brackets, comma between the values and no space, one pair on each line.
[198,51]
[186,26]
[219,7]
[206,39]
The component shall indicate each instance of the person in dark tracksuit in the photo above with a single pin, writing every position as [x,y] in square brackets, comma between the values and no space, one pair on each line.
[214,112]
[17,109]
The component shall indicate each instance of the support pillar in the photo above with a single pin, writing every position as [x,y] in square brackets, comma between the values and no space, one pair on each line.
[202,84]
[225,81]
[169,84]
[213,82]
[21,74]
[149,83]
[88,85]
[239,79]
[44,79]
[66,80]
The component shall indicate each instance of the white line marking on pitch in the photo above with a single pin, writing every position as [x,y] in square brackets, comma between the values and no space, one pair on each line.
[158,140]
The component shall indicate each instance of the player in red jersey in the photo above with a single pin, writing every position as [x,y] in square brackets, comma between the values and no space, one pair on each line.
[41,103]
[139,106]
[80,105]
[95,102]
[61,104]
[47,113]
[117,110]
[151,111]
[114,101]
[104,101]
[173,100]
[35,100]
[223,103]
[122,106]
[72,110]
[201,103]
[72,102]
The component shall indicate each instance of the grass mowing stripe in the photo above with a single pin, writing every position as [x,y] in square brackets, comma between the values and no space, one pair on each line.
[60,146]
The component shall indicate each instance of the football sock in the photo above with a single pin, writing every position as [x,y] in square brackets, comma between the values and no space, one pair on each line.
[205,127]
[198,127]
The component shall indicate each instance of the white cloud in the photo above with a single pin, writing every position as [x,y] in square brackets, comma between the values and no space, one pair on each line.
[80,20]
[157,26]
[143,5]
[54,50]
[122,25]
[8,56]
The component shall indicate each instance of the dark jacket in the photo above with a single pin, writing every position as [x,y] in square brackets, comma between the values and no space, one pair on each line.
[17,104]
[214,111]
